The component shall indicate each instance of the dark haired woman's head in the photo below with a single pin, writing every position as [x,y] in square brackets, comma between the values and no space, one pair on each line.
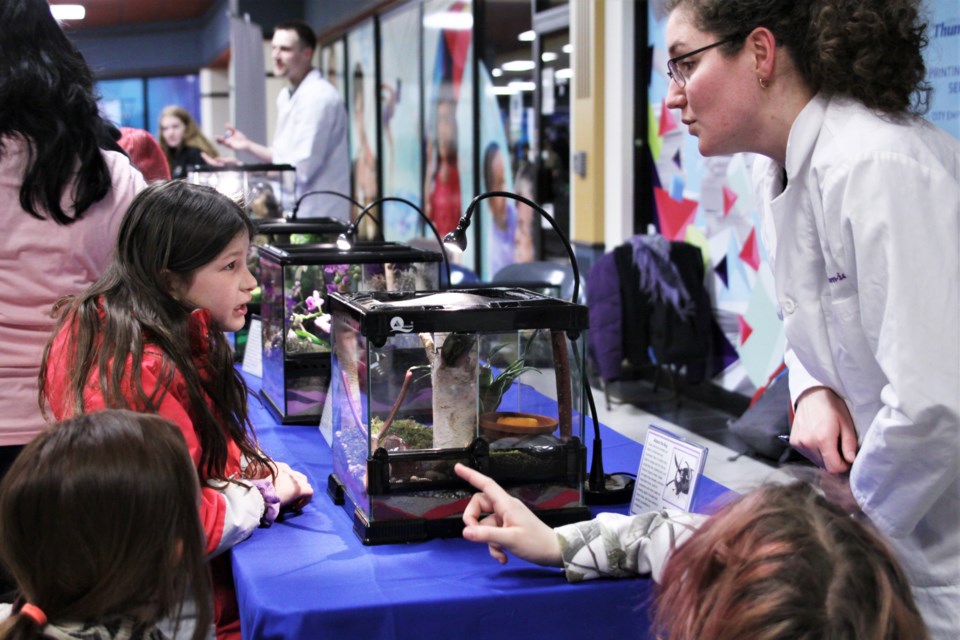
[98,518]
[782,562]
[47,99]
[870,50]
[174,228]
[172,236]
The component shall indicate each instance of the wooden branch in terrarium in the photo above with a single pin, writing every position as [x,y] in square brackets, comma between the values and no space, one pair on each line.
[561,366]
[404,388]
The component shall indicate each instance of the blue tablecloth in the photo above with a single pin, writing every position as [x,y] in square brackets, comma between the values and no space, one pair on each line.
[308,576]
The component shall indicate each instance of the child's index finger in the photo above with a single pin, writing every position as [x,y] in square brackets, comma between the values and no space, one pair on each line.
[481,482]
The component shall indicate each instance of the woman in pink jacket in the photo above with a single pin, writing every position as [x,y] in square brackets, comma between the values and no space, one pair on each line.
[61,199]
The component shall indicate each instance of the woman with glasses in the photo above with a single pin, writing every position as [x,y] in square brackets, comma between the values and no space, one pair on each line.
[860,200]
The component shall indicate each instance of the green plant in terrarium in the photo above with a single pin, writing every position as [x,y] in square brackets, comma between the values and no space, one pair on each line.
[492,387]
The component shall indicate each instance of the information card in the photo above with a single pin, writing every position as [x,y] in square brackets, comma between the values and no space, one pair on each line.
[669,469]
[253,354]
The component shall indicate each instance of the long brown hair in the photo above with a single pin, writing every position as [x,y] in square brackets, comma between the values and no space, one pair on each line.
[98,520]
[192,137]
[172,227]
[783,563]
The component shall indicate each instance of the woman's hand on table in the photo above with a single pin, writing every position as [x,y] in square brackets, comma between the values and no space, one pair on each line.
[823,430]
[509,525]
[292,487]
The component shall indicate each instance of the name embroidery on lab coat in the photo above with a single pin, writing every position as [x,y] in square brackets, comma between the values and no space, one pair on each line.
[837,278]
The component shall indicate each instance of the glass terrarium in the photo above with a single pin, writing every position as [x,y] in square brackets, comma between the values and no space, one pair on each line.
[282,231]
[296,281]
[424,380]
[268,190]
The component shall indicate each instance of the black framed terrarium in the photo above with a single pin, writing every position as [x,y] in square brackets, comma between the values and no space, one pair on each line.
[423,380]
[296,281]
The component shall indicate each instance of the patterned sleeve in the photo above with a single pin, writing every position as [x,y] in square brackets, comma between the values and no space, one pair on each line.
[613,545]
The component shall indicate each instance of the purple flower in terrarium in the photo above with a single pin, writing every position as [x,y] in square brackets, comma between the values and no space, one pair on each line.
[314,302]
[323,322]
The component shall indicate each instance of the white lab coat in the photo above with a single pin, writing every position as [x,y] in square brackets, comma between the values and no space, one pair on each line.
[864,243]
[311,135]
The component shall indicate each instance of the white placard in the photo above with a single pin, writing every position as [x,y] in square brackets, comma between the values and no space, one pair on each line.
[669,470]
[253,353]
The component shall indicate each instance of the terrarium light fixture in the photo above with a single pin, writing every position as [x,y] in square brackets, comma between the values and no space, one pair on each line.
[346,240]
[325,192]
[600,487]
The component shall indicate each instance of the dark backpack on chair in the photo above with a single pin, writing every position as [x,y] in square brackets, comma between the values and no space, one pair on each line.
[767,418]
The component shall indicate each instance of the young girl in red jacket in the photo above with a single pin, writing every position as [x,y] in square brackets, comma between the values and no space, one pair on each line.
[149,336]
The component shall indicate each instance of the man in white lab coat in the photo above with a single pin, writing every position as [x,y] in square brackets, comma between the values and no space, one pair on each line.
[311,131]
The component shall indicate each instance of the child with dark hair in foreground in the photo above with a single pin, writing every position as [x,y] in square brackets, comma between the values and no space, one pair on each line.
[99,528]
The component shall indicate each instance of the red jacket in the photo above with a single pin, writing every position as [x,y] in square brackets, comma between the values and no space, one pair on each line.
[227,514]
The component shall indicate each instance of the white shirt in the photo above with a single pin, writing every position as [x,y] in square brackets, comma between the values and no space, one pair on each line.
[311,134]
[864,245]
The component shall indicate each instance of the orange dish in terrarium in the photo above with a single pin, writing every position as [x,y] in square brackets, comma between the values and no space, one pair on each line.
[498,424]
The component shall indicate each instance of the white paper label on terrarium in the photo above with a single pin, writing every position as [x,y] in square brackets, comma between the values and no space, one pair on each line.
[253,353]
[669,469]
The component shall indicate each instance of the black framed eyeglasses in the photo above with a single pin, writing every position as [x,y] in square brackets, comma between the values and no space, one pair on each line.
[674,71]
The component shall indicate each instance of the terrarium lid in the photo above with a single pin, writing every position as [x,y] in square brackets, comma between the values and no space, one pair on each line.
[283,226]
[240,168]
[361,253]
[493,309]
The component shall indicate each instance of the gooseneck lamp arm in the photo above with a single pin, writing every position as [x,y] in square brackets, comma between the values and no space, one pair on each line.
[598,490]
[347,238]
[324,192]
[458,239]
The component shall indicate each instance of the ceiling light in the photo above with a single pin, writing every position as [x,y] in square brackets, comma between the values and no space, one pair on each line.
[567,48]
[527,36]
[63,12]
[452,20]
[563,74]
[549,56]
[496,73]
[522,86]
[504,91]
[518,65]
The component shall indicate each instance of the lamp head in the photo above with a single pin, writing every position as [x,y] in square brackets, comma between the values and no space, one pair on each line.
[344,240]
[456,240]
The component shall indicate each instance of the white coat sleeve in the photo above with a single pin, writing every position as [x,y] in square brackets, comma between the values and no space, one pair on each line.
[614,545]
[902,242]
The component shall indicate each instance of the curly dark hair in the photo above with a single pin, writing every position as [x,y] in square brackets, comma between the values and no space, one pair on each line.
[870,50]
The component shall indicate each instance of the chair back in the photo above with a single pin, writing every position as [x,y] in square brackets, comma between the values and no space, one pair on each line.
[552,278]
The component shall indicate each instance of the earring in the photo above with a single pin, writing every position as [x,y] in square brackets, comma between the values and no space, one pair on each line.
[764,83]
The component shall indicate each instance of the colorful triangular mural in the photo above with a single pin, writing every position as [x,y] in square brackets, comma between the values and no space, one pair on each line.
[729,199]
[745,329]
[750,253]
[667,122]
[674,215]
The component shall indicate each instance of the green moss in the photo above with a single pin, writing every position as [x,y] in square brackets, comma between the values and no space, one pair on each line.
[416,435]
